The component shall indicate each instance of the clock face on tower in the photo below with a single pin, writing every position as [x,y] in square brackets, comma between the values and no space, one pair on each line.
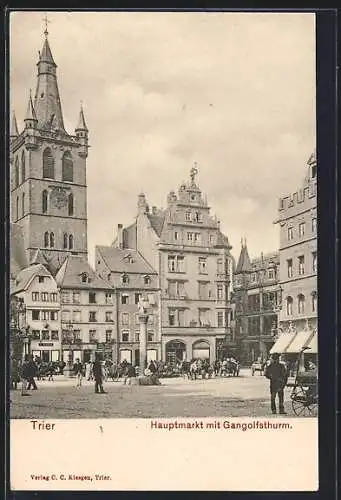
[59,197]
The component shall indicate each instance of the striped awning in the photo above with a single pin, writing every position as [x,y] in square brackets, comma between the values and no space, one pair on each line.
[313,345]
[282,343]
[301,339]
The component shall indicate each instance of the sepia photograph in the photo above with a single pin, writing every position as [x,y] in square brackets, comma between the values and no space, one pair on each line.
[163,218]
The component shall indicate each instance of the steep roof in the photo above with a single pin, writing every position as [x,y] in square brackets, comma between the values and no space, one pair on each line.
[14,126]
[69,275]
[39,258]
[125,260]
[244,263]
[157,222]
[46,54]
[30,113]
[222,240]
[81,122]
[25,276]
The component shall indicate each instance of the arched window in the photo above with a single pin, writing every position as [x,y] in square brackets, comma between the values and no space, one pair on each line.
[67,167]
[51,240]
[314,302]
[16,172]
[46,239]
[70,242]
[289,306]
[17,207]
[48,164]
[65,241]
[300,301]
[23,205]
[70,204]
[44,201]
[23,172]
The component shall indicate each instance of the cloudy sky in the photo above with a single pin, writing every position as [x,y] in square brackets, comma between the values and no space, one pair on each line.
[234,92]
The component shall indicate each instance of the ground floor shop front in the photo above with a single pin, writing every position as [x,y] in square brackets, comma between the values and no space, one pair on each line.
[253,349]
[185,348]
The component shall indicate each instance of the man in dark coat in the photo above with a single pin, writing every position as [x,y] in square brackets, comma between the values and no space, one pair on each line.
[98,376]
[277,373]
[31,372]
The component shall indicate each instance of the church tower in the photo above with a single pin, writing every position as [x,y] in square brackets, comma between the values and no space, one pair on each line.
[48,173]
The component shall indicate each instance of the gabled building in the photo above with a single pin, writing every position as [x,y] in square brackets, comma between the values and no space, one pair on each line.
[38,289]
[133,279]
[88,310]
[257,300]
[184,244]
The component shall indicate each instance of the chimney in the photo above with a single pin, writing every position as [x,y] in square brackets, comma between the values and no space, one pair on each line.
[120,235]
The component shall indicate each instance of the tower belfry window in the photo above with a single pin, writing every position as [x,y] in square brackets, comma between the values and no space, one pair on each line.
[70,204]
[70,242]
[51,240]
[67,167]
[46,239]
[44,201]
[48,164]
[23,205]
[65,241]
[23,172]
[16,172]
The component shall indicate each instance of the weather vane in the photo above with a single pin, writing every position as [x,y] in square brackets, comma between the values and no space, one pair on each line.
[46,21]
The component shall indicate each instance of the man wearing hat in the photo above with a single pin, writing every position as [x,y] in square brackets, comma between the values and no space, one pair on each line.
[277,373]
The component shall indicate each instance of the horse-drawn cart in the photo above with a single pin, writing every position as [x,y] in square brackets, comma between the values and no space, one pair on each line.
[304,395]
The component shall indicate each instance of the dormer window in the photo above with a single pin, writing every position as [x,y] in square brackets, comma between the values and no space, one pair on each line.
[128,257]
[125,279]
[85,278]
[147,280]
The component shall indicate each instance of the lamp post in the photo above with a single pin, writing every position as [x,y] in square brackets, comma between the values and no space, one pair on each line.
[68,368]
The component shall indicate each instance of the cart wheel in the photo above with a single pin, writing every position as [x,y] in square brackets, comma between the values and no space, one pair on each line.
[302,405]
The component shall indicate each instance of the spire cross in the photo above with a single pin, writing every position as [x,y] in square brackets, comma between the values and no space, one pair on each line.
[46,21]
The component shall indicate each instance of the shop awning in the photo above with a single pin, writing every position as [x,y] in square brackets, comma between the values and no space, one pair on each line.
[282,343]
[313,345]
[299,342]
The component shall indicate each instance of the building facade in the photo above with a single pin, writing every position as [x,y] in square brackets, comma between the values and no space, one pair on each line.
[38,289]
[87,312]
[257,298]
[297,219]
[192,257]
[133,279]
[48,173]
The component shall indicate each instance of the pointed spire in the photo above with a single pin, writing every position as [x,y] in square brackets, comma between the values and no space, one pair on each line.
[81,122]
[38,258]
[244,263]
[30,114]
[47,101]
[14,126]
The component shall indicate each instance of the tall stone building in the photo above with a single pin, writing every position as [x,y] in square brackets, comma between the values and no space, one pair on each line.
[48,173]
[297,219]
[183,242]
[257,300]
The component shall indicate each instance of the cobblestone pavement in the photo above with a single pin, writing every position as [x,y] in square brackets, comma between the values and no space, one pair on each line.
[218,397]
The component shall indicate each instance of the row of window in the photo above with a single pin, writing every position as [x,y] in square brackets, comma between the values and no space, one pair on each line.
[267,327]
[45,198]
[176,317]
[49,240]
[68,297]
[44,296]
[301,265]
[125,279]
[127,299]
[48,167]
[125,319]
[176,264]
[126,336]
[193,216]
[45,335]
[301,304]
[301,229]
[76,316]
[41,315]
